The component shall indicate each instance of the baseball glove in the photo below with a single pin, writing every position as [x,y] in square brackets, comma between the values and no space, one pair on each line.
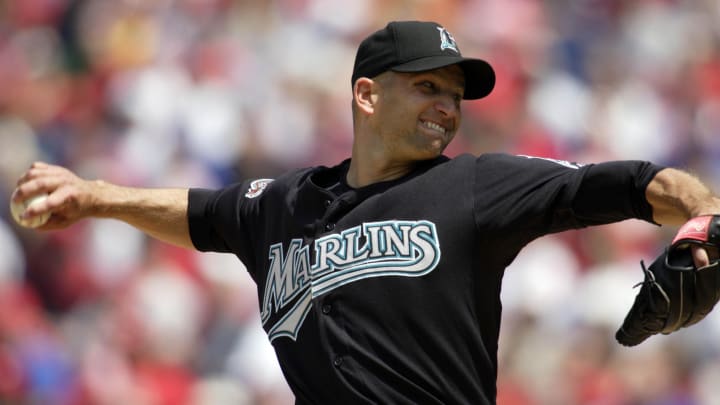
[675,294]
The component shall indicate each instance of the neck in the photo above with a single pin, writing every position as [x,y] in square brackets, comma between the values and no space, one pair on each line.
[366,170]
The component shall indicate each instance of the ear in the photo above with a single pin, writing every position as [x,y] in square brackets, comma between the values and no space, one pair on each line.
[364,95]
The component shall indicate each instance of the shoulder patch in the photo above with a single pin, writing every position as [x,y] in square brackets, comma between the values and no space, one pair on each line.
[572,165]
[257,187]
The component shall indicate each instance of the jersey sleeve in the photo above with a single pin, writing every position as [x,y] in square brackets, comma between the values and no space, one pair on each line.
[535,196]
[614,191]
[227,220]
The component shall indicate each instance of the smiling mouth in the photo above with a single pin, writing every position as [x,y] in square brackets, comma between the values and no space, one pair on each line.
[434,127]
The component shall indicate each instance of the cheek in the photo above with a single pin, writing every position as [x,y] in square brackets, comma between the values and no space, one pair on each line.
[399,118]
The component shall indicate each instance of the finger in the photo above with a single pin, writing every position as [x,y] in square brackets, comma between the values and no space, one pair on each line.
[62,205]
[57,199]
[40,169]
[37,208]
[39,164]
[30,175]
[60,199]
[44,184]
[700,256]
[63,200]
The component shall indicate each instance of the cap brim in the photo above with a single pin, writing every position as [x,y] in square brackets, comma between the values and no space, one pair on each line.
[479,75]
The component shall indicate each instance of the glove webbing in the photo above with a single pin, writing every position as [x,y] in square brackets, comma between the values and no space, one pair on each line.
[651,282]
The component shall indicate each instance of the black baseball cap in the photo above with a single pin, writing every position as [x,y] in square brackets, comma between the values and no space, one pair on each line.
[416,46]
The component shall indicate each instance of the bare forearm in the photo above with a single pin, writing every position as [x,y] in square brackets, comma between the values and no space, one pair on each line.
[161,213]
[677,196]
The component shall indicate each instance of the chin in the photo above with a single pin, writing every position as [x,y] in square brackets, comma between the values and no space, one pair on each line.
[425,148]
[438,146]
[431,152]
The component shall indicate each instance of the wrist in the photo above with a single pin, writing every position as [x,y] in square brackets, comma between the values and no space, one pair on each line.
[710,208]
[105,200]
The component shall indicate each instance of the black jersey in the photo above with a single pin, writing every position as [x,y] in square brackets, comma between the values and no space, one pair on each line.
[390,293]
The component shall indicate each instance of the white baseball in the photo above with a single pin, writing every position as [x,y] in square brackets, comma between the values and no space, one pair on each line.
[17,209]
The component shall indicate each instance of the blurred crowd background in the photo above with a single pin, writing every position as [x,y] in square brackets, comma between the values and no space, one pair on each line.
[203,93]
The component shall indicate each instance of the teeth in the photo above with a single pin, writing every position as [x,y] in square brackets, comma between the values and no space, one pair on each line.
[434,126]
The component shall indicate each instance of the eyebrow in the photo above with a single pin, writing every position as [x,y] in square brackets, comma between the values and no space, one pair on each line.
[453,80]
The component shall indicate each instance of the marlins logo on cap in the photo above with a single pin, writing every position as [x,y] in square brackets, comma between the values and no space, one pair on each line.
[447,41]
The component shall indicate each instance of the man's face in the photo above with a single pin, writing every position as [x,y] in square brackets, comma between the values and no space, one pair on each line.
[418,114]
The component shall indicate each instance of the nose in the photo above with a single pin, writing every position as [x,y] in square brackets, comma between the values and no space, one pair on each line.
[448,106]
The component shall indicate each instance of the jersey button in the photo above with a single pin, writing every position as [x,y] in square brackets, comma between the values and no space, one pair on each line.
[338,361]
[326,309]
[330,226]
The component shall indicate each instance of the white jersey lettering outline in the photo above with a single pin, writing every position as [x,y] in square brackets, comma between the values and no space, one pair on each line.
[390,248]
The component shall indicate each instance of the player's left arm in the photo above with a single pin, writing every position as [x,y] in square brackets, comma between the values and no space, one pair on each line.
[677,196]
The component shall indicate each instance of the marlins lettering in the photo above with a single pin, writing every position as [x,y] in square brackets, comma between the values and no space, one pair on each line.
[389,248]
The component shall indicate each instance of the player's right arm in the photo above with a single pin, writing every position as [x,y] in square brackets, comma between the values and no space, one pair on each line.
[161,213]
